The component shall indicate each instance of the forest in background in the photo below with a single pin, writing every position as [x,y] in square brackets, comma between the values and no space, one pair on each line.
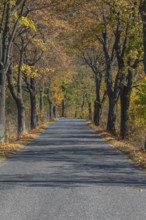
[73,58]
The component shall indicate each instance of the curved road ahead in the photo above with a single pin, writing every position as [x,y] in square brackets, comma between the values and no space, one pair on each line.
[70,173]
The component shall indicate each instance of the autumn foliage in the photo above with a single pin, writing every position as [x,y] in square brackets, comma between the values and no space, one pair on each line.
[72,59]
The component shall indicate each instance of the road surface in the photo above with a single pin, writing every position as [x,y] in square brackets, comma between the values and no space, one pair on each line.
[70,173]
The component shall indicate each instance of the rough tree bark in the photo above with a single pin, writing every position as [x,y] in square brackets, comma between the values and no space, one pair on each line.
[21,116]
[76,112]
[63,101]
[83,106]
[17,95]
[30,85]
[94,59]
[97,104]
[55,111]
[41,104]
[50,105]
[125,104]
[113,95]
[113,88]
[30,82]
[63,108]
[4,63]
[20,104]
[90,111]
[2,103]
[112,116]
[6,40]
[33,105]
[126,79]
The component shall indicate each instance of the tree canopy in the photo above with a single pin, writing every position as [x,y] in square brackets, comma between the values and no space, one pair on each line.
[72,59]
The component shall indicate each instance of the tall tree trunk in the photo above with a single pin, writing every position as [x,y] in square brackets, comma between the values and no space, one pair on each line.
[41,105]
[51,110]
[6,41]
[125,104]
[97,104]
[20,104]
[21,118]
[2,103]
[21,128]
[113,96]
[4,63]
[33,105]
[63,101]
[50,105]
[97,113]
[83,107]
[112,115]
[18,95]
[124,90]
[76,112]
[113,88]
[34,115]
[90,111]
[55,111]
[63,108]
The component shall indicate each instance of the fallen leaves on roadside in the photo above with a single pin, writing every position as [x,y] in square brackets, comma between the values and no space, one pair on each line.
[137,155]
[9,149]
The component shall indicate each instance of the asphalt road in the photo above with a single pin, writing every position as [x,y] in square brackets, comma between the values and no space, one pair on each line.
[70,173]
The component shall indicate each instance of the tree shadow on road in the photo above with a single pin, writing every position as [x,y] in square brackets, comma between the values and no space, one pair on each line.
[70,166]
[70,156]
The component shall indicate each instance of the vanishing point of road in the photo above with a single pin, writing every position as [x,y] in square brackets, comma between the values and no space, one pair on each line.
[71,173]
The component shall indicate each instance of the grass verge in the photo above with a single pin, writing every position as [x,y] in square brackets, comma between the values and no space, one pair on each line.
[135,154]
[8,149]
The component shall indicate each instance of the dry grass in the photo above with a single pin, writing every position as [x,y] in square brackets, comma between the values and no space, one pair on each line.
[8,149]
[136,154]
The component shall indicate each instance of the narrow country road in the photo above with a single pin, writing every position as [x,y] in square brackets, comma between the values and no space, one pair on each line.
[70,173]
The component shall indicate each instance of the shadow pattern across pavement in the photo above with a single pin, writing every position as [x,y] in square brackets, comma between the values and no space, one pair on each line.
[69,154]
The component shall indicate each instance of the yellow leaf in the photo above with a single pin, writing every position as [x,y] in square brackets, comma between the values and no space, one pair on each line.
[140,190]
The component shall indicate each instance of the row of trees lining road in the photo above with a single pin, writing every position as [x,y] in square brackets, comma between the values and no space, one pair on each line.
[7,35]
[81,58]
[29,51]
[108,35]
